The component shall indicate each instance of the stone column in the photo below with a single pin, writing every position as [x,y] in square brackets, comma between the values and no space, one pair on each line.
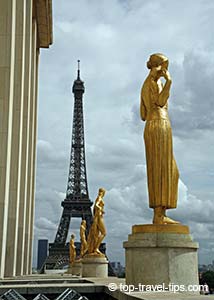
[31,224]
[25,141]
[30,192]
[16,142]
[7,65]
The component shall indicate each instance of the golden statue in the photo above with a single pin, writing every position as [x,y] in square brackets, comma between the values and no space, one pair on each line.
[84,245]
[72,250]
[162,171]
[97,231]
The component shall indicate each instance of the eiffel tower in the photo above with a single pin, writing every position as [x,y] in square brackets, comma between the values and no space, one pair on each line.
[77,203]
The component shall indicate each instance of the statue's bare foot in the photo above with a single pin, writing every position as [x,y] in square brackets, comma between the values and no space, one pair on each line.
[161,218]
[167,220]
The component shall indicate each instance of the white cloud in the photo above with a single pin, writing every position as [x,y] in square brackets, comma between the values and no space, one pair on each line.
[45,224]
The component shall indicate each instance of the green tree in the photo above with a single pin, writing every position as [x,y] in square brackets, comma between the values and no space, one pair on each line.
[208,277]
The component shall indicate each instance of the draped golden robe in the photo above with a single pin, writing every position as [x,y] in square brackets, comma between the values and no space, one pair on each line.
[162,171]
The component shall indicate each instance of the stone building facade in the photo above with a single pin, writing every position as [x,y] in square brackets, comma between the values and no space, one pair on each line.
[25,27]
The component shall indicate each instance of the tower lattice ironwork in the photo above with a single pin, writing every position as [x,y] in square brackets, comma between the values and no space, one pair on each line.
[77,202]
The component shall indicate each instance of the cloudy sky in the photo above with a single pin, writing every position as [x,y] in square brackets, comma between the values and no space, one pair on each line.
[113,39]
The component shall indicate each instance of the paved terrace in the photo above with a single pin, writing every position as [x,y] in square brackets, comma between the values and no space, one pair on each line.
[50,285]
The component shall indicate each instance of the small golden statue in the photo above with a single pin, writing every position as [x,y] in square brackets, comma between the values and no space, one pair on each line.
[84,245]
[162,171]
[72,250]
[97,231]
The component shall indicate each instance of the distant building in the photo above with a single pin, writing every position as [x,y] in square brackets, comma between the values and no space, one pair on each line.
[42,253]
[118,269]
[204,268]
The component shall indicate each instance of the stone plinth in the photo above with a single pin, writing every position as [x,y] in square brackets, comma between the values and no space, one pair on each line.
[157,254]
[75,268]
[94,266]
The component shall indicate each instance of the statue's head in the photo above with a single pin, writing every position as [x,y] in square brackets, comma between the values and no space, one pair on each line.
[83,222]
[102,192]
[72,236]
[157,60]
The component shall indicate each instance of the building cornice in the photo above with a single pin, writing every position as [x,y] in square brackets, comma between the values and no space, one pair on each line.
[43,15]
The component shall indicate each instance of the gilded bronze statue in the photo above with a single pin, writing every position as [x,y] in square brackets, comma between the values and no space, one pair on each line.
[72,250]
[162,171]
[84,245]
[97,231]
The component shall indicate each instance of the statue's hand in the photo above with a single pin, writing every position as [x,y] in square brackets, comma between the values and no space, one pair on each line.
[166,75]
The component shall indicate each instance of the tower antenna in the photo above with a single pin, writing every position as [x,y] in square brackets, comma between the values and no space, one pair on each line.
[78,69]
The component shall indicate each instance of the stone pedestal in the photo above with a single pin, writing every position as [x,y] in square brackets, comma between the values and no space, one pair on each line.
[157,254]
[76,268]
[94,266]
